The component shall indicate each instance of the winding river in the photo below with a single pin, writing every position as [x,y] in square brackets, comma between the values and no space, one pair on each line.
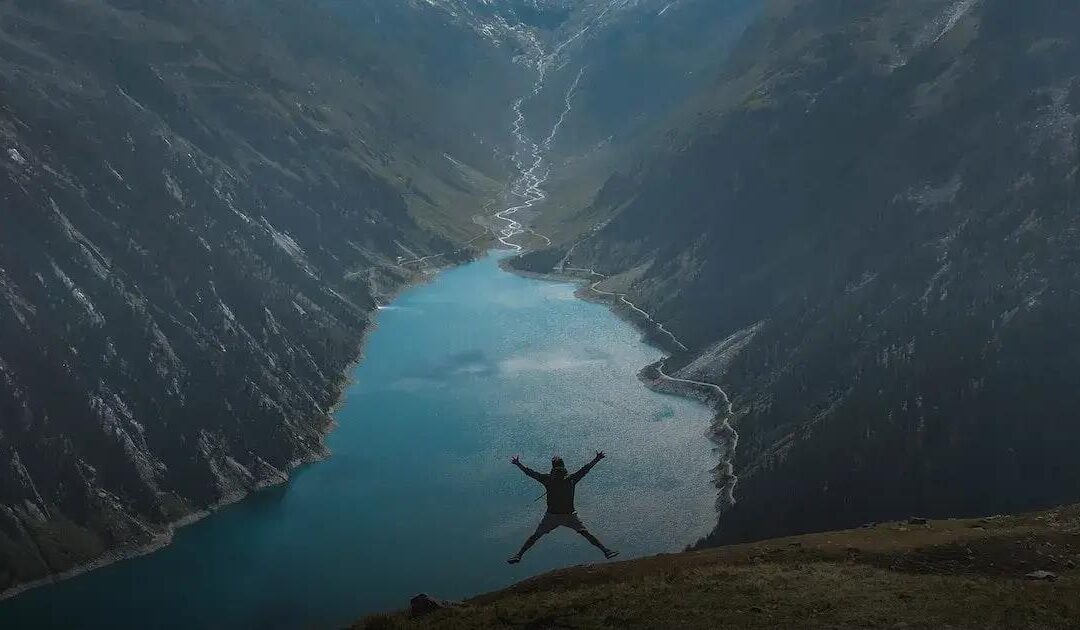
[418,496]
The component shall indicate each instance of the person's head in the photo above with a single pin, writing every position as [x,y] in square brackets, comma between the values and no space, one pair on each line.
[558,467]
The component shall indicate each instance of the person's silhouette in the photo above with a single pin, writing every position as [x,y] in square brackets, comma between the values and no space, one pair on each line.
[560,503]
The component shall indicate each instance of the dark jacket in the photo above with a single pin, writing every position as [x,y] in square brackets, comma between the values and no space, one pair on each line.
[560,487]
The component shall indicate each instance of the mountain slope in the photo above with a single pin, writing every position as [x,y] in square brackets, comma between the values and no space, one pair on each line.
[619,71]
[866,231]
[927,575]
[203,203]
[639,64]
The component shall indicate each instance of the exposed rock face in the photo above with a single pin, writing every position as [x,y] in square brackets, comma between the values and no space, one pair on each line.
[202,203]
[424,604]
[877,201]
[863,225]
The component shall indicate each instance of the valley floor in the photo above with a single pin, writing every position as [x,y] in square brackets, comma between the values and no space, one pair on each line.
[973,573]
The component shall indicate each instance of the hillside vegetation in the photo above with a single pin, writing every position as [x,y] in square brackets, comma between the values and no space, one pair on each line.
[976,573]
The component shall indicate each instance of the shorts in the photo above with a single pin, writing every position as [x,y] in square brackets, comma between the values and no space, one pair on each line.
[553,521]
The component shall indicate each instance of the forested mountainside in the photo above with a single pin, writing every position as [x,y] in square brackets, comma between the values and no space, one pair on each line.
[867,231]
[202,203]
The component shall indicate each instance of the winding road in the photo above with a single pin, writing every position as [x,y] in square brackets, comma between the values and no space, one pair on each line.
[622,298]
[727,436]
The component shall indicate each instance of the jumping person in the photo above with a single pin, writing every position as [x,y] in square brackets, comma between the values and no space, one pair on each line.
[560,503]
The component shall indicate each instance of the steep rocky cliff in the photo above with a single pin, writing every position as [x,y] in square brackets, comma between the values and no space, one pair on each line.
[866,230]
[861,222]
[202,204]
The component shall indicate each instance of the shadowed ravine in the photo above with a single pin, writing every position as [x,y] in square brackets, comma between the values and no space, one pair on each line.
[530,156]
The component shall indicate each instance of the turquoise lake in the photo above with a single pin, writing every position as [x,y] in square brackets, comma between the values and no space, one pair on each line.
[419,495]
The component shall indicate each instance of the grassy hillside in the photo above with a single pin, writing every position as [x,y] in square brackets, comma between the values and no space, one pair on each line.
[950,573]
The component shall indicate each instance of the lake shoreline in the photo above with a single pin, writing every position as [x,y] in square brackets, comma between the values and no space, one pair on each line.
[721,431]
[164,535]
[625,314]
[166,532]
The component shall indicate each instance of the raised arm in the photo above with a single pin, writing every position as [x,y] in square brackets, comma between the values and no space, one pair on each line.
[525,469]
[576,477]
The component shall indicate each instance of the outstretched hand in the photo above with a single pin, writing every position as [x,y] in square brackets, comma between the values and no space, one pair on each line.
[515,460]
[600,455]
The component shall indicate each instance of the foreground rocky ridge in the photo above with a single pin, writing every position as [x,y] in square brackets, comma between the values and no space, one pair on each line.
[203,204]
[1001,571]
[866,231]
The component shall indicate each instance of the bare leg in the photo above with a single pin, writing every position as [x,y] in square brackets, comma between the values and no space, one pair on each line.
[516,558]
[529,543]
[595,542]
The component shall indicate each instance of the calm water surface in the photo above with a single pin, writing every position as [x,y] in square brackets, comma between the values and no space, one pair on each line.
[419,496]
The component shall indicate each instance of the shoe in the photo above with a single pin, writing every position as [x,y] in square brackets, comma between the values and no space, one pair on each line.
[513,560]
[610,553]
